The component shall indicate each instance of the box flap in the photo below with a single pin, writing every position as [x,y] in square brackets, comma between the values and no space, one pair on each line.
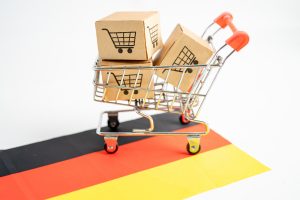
[126,16]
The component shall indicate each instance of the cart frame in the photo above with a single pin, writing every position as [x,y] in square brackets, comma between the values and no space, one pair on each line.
[167,97]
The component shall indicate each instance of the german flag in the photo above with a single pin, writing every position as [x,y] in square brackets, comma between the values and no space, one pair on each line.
[77,167]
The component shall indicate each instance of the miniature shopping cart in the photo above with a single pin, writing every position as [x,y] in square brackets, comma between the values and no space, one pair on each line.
[185,57]
[167,97]
[122,40]
[128,80]
[153,31]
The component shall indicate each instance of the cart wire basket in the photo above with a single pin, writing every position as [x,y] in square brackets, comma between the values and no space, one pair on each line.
[122,40]
[167,97]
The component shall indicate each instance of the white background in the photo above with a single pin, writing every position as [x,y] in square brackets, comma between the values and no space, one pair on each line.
[47,50]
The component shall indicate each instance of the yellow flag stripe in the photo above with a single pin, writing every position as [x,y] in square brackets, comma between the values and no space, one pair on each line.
[177,180]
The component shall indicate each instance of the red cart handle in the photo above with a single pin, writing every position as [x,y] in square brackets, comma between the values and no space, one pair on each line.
[224,20]
[239,39]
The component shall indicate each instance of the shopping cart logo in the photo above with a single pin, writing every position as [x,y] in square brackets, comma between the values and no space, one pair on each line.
[185,57]
[133,81]
[122,40]
[153,31]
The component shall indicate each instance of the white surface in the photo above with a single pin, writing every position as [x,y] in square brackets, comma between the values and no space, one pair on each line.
[48,48]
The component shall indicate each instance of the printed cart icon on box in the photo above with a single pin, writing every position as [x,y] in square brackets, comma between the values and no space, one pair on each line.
[129,80]
[154,34]
[122,40]
[185,57]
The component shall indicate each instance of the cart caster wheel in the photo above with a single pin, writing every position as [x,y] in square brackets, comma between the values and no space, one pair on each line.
[189,70]
[193,149]
[120,50]
[195,62]
[110,149]
[113,124]
[153,45]
[136,92]
[183,120]
[129,50]
[126,92]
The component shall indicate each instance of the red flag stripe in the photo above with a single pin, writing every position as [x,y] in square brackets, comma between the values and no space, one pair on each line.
[99,167]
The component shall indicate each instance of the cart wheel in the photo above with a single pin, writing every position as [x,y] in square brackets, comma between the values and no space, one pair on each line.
[193,149]
[183,120]
[129,50]
[153,45]
[189,70]
[156,43]
[111,149]
[120,50]
[126,92]
[113,124]
[136,92]
[195,62]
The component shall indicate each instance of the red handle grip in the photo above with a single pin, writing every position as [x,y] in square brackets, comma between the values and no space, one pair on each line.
[239,39]
[224,20]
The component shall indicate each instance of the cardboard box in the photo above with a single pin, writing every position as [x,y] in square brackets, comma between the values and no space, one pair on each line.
[129,36]
[115,79]
[183,48]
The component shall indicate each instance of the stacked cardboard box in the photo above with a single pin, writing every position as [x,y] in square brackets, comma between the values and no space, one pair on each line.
[143,78]
[128,39]
[181,49]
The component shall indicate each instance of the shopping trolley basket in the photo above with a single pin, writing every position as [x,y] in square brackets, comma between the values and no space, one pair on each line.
[122,40]
[185,57]
[128,80]
[153,31]
[167,97]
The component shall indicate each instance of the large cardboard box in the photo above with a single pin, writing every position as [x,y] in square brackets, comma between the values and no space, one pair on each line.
[183,48]
[131,78]
[129,36]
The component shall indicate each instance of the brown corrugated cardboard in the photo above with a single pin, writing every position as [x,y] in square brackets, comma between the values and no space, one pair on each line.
[128,81]
[129,36]
[183,48]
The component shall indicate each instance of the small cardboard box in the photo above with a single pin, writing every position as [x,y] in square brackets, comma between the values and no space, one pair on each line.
[129,36]
[131,78]
[183,48]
